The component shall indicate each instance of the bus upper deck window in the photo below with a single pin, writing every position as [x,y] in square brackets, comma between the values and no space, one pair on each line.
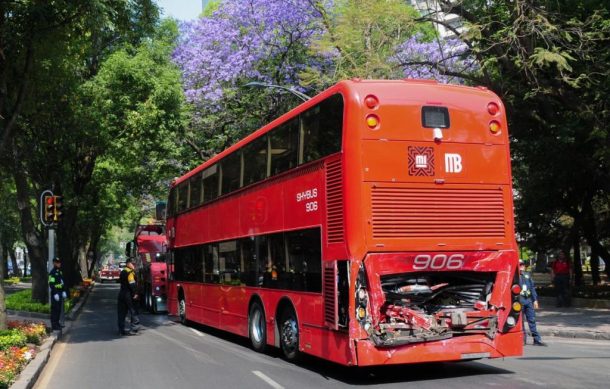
[435,117]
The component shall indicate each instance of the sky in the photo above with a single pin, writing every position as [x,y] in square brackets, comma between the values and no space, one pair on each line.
[181,9]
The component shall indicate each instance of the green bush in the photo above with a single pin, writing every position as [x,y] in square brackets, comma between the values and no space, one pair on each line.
[22,301]
[12,338]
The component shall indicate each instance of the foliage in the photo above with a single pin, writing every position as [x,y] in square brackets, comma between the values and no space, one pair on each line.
[12,361]
[14,353]
[308,45]
[548,61]
[22,301]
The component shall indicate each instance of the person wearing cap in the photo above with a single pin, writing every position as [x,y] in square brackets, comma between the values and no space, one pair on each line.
[127,295]
[529,303]
[58,293]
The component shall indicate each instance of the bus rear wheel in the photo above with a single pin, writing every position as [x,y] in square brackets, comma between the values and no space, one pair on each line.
[257,327]
[289,335]
[182,310]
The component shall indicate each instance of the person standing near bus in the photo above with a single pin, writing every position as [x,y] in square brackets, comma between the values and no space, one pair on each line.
[127,295]
[58,294]
[529,303]
[560,273]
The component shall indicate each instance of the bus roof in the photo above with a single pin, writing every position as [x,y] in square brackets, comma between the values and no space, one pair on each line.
[345,86]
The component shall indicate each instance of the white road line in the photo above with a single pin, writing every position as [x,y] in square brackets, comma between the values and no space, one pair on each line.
[196,332]
[267,379]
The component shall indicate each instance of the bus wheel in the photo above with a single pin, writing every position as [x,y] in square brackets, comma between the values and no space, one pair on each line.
[182,310]
[257,327]
[289,335]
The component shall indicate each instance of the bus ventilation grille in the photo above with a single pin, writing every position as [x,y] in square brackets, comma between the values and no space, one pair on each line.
[334,202]
[439,212]
[330,294]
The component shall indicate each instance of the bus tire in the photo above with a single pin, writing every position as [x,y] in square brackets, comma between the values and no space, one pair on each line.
[289,335]
[257,327]
[182,310]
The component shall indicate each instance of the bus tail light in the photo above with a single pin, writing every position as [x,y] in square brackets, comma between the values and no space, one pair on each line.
[493,108]
[372,121]
[517,306]
[494,127]
[371,101]
[516,289]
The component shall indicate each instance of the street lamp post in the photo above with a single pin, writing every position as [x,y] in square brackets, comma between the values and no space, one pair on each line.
[300,95]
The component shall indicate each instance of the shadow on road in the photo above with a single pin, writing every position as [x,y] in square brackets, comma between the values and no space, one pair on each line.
[367,375]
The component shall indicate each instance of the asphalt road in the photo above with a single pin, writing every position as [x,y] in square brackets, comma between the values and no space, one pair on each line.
[167,354]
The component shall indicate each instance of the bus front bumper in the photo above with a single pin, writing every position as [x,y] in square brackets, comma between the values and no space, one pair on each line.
[455,349]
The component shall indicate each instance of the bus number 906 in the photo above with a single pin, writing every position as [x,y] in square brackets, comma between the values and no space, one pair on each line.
[438,261]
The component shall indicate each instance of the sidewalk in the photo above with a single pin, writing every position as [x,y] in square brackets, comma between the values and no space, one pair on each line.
[573,322]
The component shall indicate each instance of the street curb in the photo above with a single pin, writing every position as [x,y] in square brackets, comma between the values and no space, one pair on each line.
[575,334]
[27,378]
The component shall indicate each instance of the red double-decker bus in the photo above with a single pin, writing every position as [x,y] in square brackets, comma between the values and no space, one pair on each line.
[370,225]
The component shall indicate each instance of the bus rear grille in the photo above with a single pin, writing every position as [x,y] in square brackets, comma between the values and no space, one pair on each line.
[334,202]
[437,212]
[330,294]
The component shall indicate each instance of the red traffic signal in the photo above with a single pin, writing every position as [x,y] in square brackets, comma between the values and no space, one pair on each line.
[49,209]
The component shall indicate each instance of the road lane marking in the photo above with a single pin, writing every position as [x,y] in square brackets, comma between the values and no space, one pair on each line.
[196,332]
[268,380]
[56,353]
[203,356]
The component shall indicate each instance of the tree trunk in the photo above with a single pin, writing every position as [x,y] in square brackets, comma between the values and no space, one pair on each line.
[577,264]
[4,261]
[595,265]
[32,238]
[25,262]
[2,295]
[16,269]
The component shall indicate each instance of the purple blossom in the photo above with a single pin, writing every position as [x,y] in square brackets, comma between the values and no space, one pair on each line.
[434,60]
[245,40]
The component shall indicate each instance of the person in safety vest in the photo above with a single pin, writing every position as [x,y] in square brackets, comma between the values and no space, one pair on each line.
[58,293]
[529,303]
[560,270]
[127,295]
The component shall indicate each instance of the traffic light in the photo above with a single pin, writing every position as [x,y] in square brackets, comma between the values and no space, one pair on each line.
[57,208]
[49,209]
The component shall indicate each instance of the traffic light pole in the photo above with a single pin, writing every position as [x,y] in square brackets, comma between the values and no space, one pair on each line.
[51,252]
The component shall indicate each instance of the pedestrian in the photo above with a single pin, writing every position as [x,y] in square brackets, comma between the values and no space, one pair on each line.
[58,294]
[529,303]
[127,295]
[560,273]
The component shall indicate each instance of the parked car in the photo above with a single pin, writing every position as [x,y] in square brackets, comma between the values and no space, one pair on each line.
[109,273]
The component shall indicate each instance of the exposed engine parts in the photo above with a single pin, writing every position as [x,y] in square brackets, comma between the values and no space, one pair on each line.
[421,307]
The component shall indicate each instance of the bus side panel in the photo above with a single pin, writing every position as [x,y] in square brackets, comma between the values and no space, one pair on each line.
[211,298]
[303,201]
[324,343]
[193,296]
[234,306]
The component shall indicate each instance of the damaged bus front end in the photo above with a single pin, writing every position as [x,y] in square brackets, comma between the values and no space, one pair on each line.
[466,303]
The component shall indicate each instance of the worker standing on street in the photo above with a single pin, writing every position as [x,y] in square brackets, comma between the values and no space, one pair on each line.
[529,303]
[58,294]
[125,303]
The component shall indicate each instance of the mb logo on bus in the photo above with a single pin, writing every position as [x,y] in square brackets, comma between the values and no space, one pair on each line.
[453,163]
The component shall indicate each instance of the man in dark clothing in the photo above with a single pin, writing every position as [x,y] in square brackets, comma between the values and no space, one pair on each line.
[58,293]
[127,295]
[529,303]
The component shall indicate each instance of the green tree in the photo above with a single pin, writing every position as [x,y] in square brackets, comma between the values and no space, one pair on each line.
[548,61]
